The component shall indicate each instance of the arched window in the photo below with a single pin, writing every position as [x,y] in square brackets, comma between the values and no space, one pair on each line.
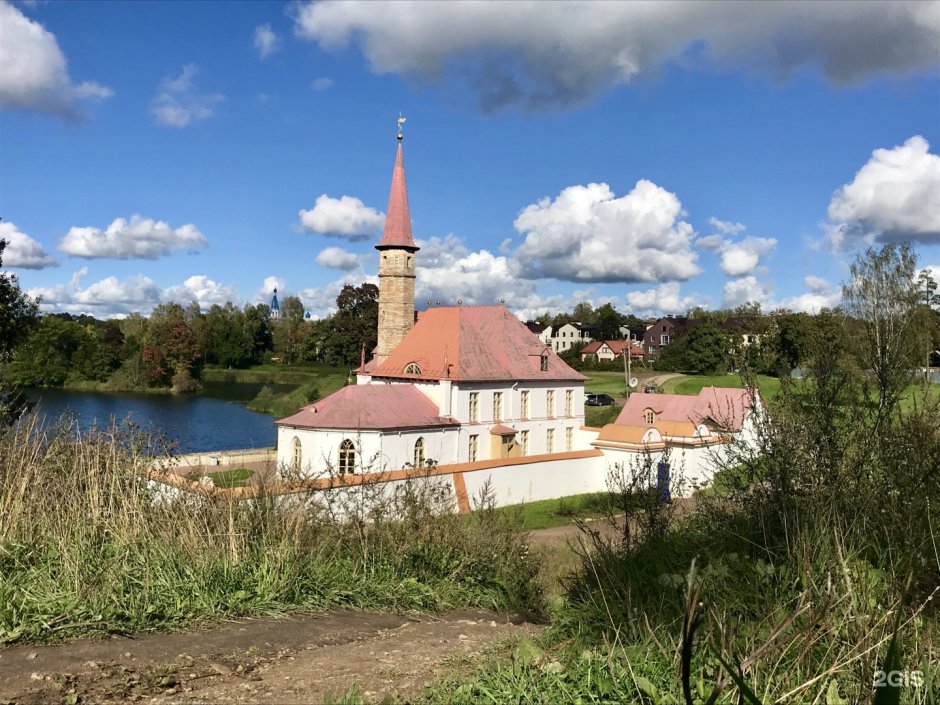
[419,453]
[650,416]
[412,368]
[347,457]
[297,455]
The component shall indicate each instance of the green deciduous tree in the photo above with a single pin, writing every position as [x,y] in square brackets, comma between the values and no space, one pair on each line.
[17,311]
[290,330]
[609,321]
[882,298]
[45,359]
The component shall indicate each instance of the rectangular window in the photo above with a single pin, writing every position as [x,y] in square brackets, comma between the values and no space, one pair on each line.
[569,402]
[474,407]
[664,340]
[569,438]
[550,403]
[497,406]
[524,442]
[550,440]
[472,450]
[524,405]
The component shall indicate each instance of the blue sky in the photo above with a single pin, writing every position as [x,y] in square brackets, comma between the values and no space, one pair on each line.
[657,156]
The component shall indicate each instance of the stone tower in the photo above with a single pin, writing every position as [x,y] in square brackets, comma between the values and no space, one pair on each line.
[396,266]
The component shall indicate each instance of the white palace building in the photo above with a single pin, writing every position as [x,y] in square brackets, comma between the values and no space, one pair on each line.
[469,392]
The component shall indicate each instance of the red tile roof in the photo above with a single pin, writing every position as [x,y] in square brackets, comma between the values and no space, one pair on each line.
[724,407]
[475,343]
[397,218]
[616,346]
[503,430]
[371,407]
[592,347]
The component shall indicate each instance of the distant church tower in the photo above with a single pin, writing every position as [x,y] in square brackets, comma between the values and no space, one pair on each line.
[275,306]
[396,264]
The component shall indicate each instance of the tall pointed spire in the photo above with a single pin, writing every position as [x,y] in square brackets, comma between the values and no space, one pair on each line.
[397,217]
[396,264]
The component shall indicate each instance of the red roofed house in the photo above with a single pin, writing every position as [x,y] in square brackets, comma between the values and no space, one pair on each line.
[463,384]
[695,429]
[607,350]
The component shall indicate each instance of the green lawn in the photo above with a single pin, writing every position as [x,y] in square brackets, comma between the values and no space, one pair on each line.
[769,386]
[604,383]
[600,415]
[230,478]
[559,512]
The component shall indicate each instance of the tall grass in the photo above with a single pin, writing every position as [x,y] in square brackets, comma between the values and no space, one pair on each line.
[87,545]
[813,570]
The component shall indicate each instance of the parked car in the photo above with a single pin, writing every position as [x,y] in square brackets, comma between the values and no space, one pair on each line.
[598,400]
[650,389]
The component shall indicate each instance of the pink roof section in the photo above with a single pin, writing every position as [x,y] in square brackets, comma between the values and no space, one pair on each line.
[370,407]
[397,217]
[616,346]
[474,343]
[725,407]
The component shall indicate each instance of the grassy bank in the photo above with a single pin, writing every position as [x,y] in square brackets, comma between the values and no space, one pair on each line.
[559,512]
[87,548]
[313,382]
[769,386]
[330,378]
[809,575]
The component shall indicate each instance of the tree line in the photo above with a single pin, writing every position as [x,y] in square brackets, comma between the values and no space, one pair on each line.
[170,347]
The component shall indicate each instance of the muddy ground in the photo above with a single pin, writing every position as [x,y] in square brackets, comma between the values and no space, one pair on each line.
[300,659]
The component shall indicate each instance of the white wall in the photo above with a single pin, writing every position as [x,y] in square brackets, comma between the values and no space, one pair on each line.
[548,479]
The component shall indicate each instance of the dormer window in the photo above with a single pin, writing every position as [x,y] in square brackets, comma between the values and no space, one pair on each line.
[412,368]
[544,363]
[649,415]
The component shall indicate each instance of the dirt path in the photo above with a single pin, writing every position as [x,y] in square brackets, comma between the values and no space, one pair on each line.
[301,659]
[272,661]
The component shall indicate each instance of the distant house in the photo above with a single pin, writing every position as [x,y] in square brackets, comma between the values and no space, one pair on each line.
[663,331]
[741,330]
[571,334]
[606,350]
[543,332]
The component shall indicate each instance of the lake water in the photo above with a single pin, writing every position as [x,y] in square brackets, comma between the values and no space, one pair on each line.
[215,420]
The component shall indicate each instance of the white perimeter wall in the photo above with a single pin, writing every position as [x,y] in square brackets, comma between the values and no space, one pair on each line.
[548,479]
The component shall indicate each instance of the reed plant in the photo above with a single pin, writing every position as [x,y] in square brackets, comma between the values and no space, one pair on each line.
[810,573]
[90,544]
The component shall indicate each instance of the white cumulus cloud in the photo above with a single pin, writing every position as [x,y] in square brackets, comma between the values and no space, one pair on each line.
[266,40]
[821,295]
[589,235]
[22,251]
[338,258]
[346,217]
[737,257]
[726,227]
[664,299]
[894,196]
[203,290]
[106,298]
[137,238]
[178,102]
[33,71]
[555,54]
[112,297]
[745,290]
[448,271]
